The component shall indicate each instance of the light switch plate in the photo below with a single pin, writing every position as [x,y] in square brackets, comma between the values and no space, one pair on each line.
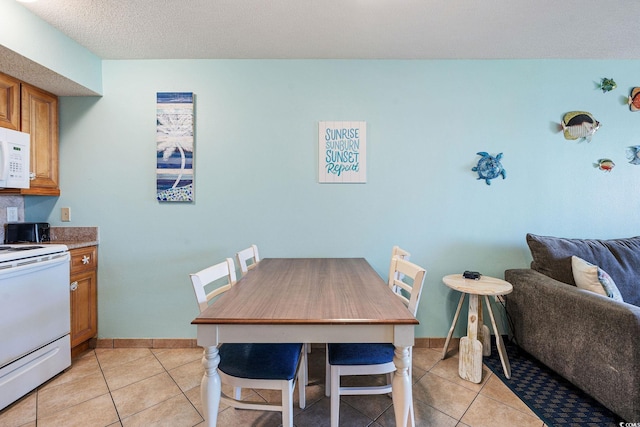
[12,214]
[65,214]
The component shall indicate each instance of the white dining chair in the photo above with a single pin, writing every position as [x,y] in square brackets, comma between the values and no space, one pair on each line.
[397,251]
[373,359]
[248,258]
[260,366]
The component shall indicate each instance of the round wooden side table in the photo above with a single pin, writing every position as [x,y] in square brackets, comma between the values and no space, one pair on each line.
[478,339]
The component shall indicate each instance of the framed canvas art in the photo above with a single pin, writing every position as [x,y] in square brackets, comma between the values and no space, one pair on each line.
[174,146]
[342,152]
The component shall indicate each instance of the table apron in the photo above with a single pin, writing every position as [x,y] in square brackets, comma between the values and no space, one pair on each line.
[212,335]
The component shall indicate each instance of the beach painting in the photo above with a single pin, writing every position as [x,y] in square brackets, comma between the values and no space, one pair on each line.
[174,145]
[342,152]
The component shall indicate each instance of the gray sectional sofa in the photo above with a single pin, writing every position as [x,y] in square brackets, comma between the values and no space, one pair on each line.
[591,340]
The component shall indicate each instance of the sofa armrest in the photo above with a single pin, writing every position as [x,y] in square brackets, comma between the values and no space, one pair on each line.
[589,339]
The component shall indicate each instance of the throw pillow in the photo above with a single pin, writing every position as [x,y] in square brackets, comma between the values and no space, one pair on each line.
[592,278]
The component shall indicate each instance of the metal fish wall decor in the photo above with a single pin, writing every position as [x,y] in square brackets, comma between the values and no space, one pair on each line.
[579,125]
[607,85]
[634,99]
[605,165]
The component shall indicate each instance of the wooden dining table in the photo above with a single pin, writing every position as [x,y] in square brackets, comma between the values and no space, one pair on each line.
[308,300]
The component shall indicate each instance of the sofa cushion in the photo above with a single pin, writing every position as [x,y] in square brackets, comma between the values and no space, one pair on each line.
[592,278]
[618,257]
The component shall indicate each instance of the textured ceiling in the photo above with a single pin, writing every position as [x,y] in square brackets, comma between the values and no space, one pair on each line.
[377,29]
[333,29]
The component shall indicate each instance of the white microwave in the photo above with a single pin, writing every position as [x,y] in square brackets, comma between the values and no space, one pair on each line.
[15,156]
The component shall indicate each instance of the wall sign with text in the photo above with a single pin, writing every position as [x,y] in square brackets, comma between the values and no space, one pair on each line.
[342,152]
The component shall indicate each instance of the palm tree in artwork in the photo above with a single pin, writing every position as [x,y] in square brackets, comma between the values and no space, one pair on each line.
[175,132]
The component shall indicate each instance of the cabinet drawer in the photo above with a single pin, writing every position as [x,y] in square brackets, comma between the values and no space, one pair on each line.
[84,259]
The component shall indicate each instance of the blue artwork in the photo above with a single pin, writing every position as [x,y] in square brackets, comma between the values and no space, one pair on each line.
[489,167]
[174,146]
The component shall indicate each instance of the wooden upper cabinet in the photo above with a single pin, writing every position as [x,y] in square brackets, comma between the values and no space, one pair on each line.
[28,109]
[40,120]
[9,102]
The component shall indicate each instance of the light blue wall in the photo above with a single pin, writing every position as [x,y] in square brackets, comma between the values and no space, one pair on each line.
[256,172]
[31,37]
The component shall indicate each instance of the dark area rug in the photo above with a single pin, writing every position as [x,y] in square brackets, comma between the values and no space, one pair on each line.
[555,400]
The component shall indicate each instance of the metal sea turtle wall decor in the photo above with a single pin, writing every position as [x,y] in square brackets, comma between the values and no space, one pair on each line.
[489,167]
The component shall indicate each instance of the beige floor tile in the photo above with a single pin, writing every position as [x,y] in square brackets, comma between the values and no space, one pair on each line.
[425,416]
[97,412]
[54,399]
[247,394]
[162,387]
[317,415]
[143,394]
[231,417]
[443,395]
[20,412]
[313,393]
[194,397]
[81,367]
[486,412]
[188,376]
[449,368]
[172,358]
[122,375]
[112,357]
[425,358]
[174,412]
[372,406]
[497,390]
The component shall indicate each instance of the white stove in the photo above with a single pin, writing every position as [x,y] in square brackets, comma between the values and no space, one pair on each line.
[34,317]
[17,252]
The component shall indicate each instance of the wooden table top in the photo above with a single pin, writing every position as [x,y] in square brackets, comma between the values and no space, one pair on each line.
[309,291]
[485,286]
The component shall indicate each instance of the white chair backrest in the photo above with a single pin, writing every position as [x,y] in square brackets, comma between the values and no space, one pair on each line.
[414,289]
[397,251]
[212,276]
[248,255]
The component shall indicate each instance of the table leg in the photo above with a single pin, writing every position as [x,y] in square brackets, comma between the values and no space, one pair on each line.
[401,392]
[453,326]
[210,387]
[504,358]
[484,336]
[470,363]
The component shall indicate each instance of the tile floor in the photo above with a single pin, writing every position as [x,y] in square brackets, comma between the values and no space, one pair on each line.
[160,387]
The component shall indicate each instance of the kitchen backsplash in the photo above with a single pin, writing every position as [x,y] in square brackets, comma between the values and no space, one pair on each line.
[7,202]
[74,234]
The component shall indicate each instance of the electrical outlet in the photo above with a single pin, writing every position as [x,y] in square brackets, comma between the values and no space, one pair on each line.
[12,214]
[65,214]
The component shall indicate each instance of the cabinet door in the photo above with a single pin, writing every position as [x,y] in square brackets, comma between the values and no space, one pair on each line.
[84,307]
[40,120]
[9,102]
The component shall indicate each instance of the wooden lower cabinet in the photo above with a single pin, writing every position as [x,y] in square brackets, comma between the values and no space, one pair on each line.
[84,297]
